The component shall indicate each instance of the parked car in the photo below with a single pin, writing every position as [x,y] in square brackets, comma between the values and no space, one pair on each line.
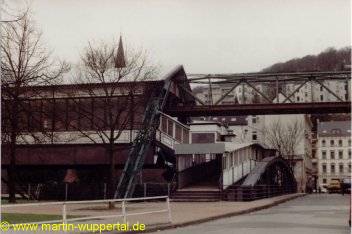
[346,185]
[334,186]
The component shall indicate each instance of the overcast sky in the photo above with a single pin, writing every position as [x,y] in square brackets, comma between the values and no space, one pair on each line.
[205,36]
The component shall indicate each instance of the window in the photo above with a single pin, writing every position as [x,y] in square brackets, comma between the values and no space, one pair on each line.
[254,120]
[46,124]
[170,127]
[321,88]
[336,131]
[324,168]
[314,164]
[341,168]
[332,168]
[349,142]
[321,98]
[323,143]
[349,154]
[60,115]
[178,132]
[340,154]
[332,154]
[254,136]
[225,90]
[224,166]
[340,143]
[163,124]
[73,114]
[185,136]
[323,154]
[324,181]
[349,167]
[332,142]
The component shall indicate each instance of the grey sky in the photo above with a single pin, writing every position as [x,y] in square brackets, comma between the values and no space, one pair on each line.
[205,36]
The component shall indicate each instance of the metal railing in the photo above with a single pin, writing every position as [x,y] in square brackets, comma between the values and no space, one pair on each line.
[124,214]
[250,193]
[155,189]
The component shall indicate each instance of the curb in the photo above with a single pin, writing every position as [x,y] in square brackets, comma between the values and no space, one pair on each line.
[172,226]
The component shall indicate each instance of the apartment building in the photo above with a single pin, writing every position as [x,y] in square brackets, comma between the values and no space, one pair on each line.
[333,151]
[241,94]
[312,92]
[246,128]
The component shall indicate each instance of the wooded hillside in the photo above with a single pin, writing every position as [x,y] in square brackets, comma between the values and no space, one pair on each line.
[328,60]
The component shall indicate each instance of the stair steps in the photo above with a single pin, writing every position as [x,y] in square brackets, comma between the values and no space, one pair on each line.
[196,196]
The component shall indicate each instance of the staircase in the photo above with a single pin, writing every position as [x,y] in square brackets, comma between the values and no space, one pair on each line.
[196,196]
[141,144]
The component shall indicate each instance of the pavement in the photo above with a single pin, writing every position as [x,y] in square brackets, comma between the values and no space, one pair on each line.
[190,213]
[183,213]
[311,214]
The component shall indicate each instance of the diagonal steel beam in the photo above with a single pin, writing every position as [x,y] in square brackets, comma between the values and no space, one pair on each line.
[228,92]
[287,98]
[210,95]
[258,91]
[347,89]
[190,93]
[329,90]
[297,89]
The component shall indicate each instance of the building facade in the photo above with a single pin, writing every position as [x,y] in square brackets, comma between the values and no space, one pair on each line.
[80,130]
[333,151]
[317,93]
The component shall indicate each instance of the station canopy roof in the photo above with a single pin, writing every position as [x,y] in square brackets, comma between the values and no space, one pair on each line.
[213,148]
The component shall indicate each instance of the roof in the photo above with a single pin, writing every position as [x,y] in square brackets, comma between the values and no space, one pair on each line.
[176,76]
[334,128]
[213,148]
[205,122]
[179,76]
[221,121]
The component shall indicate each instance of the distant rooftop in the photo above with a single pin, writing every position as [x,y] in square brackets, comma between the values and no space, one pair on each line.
[228,120]
[334,128]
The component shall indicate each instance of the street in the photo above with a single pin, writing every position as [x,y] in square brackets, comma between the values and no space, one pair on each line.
[318,213]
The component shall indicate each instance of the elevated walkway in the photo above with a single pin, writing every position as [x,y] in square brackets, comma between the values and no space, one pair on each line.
[271,177]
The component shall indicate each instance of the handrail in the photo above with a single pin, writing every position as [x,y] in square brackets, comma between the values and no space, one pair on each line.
[123,214]
[174,120]
[88,201]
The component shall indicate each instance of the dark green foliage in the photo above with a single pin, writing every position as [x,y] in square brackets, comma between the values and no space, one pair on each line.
[328,60]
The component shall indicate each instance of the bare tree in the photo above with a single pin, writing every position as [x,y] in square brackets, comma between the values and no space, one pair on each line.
[24,62]
[9,14]
[112,85]
[284,136]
